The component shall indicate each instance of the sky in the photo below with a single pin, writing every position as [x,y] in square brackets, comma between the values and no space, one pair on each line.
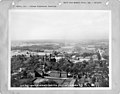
[59,24]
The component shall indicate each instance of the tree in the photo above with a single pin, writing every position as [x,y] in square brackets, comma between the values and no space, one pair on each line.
[98,55]
[17,62]
[77,68]
[61,65]
[67,68]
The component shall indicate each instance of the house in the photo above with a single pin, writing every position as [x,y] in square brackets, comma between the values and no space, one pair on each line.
[84,59]
[58,58]
[95,57]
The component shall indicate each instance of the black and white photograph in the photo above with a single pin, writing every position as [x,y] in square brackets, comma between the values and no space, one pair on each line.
[59,49]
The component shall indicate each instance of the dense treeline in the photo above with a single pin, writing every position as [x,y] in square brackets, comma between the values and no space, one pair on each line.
[97,70]
[36,47]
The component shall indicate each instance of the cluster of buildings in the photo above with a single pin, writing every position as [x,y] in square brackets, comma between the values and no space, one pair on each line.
[55,56]
[49,54]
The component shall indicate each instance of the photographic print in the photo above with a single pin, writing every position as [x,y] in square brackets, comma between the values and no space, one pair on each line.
[59,49]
